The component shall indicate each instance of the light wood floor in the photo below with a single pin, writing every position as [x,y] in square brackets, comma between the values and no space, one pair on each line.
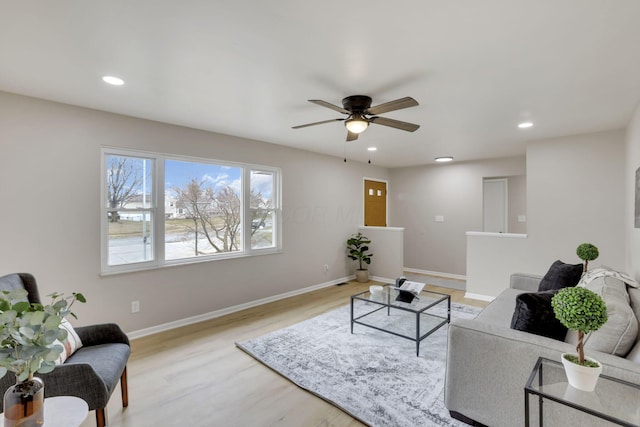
[195,376]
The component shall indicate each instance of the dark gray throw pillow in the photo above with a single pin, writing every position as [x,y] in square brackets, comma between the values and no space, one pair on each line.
[560,275]
[535,315]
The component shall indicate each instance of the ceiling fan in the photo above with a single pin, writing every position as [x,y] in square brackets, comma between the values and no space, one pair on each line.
[360,114]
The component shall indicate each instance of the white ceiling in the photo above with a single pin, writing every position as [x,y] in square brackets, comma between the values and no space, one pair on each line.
[247,67]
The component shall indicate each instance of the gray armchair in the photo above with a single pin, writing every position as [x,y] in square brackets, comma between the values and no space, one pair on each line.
[93,371]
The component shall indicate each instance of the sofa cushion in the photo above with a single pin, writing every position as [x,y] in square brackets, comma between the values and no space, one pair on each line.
[534,314]
[500,311]
[608,271]
[634,300]
[560,275]
[618,335]
[634,354]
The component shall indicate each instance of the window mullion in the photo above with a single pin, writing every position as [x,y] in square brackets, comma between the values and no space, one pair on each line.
[158,203]
[246,210]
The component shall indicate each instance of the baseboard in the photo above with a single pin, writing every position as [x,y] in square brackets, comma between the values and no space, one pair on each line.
[435,273]
[382,279]
[479,297]
[222,312]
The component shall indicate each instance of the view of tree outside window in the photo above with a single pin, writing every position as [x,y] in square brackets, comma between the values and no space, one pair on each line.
[130,213]
[207,213]
[198,212]
[262,207]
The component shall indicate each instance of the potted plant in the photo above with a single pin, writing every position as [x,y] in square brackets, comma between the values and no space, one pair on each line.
[587,252]
[584,311]
[30,342]
[357,246]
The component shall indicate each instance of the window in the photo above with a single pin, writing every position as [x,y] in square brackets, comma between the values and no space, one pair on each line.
[209,216]
[262,208]
[161,210]
[129,209]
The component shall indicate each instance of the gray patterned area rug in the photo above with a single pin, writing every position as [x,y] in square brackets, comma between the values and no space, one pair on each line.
[373,376]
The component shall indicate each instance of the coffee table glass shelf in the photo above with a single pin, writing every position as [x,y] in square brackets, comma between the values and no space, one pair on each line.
[413,320]
[614,399]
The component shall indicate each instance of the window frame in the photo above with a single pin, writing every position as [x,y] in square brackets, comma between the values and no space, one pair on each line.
[157,211]
[277,218]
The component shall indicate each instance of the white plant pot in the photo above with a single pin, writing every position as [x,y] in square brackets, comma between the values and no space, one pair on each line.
[581,377]
[362,276]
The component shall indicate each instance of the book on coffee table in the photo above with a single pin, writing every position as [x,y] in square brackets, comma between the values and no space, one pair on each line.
[409,290]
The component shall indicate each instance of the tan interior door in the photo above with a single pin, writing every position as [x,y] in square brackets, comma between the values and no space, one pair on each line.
[375,203]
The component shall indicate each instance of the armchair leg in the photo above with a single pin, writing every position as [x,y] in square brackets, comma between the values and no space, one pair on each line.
[101,417]
[125,388]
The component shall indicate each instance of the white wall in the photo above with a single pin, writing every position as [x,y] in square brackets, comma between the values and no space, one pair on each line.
[575,190]
[517,203]
[491,259]
[387,247]
[576,194]
[633,163]
[453,191]
[50,214]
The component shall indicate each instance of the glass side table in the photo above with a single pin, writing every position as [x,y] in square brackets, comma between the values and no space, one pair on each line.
[614,399]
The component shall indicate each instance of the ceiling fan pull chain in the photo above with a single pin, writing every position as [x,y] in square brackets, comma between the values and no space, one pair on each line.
[345,151]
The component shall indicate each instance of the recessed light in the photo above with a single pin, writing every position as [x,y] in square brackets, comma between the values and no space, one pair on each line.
[525,125]
[112,80]
[444,159]
[372,148]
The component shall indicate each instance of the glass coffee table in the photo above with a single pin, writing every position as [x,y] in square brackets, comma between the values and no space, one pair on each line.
[386,312]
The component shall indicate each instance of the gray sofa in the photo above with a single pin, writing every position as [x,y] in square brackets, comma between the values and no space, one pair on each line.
[488,364]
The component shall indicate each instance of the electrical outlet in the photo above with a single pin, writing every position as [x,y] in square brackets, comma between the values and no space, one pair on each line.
[326,268]
[439,218]
[135,306]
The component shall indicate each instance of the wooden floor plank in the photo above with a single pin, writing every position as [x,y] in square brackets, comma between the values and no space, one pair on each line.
[196,376]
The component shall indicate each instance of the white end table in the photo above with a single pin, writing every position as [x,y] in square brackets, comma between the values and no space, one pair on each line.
[62,411]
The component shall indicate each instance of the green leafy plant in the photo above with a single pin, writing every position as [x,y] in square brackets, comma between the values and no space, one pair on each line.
[28,332]
[357,246]
[581,310]
[587,252]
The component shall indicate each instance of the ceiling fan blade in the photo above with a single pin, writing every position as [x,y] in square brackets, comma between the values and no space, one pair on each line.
[317,123]
[409,127]
[398,104]
[330,105]
[352,136]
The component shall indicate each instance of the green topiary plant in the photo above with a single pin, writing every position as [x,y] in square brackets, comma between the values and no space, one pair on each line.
[587,252]
[581,310]
[357,246]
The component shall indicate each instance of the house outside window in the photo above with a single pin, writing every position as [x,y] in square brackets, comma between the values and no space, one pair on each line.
[164,210]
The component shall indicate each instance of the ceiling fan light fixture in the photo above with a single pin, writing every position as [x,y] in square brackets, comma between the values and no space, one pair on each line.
[356,123]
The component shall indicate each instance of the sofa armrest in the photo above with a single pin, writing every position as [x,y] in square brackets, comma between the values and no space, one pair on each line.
[101,334]
[525,282]
[489,365]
